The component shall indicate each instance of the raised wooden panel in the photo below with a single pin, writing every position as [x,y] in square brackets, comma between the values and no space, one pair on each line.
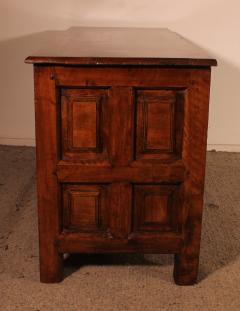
[159,123]
[82,122]
[156,208]
[84,207]
[158,134]
[84,125]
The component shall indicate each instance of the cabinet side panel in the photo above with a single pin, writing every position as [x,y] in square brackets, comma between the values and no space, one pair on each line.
[47,186]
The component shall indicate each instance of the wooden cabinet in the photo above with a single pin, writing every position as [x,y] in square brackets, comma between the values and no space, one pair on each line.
[121,142]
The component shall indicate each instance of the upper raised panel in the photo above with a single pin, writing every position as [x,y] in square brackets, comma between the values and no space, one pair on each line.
[85,127]
[82,122]
[158,116]
[159,124]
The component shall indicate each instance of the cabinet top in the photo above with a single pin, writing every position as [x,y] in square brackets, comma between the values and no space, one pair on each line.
[119,46]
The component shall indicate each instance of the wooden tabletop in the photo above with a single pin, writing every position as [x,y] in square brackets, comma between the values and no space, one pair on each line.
[120,46]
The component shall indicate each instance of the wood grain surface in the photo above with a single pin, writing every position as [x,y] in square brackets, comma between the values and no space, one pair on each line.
[120,46]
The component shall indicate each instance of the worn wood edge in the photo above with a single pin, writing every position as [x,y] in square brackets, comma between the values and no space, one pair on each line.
[120,61]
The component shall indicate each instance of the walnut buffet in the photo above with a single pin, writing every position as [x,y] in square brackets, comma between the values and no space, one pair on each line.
[121,132]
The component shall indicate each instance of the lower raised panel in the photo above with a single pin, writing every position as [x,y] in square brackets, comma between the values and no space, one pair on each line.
[121,210]
[84,207]
[156,208]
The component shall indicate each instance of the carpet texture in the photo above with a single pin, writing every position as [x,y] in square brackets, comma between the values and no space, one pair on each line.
[118,282]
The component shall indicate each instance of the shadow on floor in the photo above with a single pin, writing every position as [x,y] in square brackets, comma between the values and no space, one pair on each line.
[74,262]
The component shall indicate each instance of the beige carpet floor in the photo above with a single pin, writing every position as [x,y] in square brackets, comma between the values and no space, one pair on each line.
[119,282]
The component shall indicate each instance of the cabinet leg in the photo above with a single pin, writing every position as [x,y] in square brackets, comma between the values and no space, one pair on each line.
[185,269]
[51,267]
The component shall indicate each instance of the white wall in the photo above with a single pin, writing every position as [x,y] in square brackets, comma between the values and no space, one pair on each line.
[212,24]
